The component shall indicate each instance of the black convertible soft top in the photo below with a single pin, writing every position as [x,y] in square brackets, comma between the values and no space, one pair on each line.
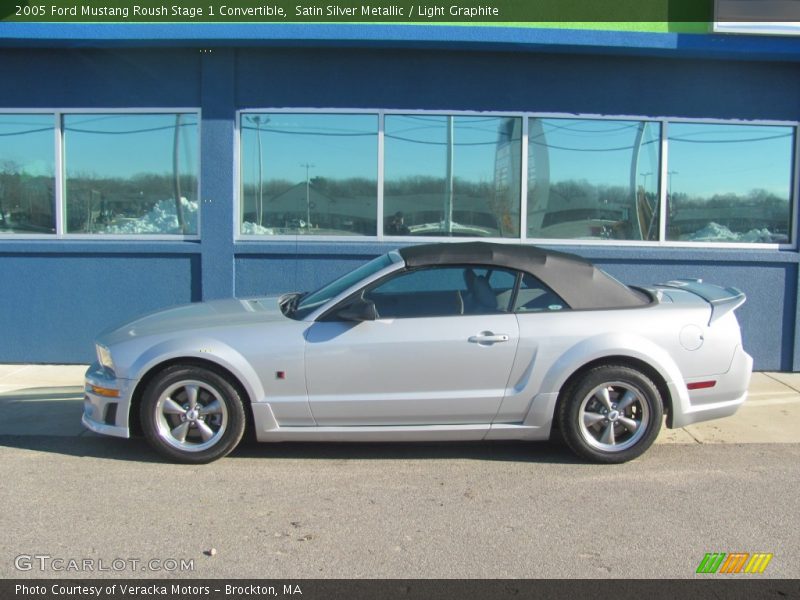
[576,280]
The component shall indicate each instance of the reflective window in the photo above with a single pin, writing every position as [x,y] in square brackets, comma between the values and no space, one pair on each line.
[593,179]
[131,173]
[443,291]
[310,302]
[729,183]
[452,176]
[309,174]
[27,173]
[447,176]
[535,296]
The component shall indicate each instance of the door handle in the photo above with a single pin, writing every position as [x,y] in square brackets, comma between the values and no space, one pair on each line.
[487,337]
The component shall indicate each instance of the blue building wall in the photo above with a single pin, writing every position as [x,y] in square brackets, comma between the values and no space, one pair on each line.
[55,295]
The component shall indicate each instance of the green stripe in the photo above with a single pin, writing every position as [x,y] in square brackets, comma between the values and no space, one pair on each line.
[713,568]
[711,562]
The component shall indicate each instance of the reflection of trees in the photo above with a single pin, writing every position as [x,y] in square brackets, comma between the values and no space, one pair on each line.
[572,200]
[336,205]
[580,200]
[414,185]
[571,192]
[344,188]
[356,187]
[756,197]
[435,185]
[419,198]
[756,209]
[596,210]
[99,201]
[148,187]
[481,204]
[26,201]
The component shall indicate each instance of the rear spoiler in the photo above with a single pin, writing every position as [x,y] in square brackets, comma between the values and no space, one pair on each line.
[722,300]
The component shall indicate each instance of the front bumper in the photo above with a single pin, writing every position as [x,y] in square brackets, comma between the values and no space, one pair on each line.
[102,413]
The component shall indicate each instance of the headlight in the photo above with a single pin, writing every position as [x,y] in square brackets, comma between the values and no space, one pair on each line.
[104,356]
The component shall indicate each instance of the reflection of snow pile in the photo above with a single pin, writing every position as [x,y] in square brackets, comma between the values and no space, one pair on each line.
[161,219]
[440,227]
[714,232]
[249,228]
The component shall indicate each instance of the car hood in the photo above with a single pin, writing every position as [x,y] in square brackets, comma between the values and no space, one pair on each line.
[197,316]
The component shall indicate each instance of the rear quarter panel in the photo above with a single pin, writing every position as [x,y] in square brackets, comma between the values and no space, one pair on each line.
[554,345]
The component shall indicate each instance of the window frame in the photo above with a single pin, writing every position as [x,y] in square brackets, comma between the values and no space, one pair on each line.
[60,208]
[523,238]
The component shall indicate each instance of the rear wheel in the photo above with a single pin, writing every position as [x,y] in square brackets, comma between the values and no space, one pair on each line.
[611,415]
[191,414]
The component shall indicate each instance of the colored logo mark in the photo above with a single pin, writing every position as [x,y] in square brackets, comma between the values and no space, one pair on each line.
[734,562]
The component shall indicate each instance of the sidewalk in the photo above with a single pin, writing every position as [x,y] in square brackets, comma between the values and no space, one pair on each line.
[48,400]
[42,400]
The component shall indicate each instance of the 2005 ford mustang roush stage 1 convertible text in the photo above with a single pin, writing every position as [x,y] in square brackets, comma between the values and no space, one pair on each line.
[451,341]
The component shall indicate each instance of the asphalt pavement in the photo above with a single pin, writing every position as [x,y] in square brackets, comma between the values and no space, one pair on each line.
[451,510]
[457,510]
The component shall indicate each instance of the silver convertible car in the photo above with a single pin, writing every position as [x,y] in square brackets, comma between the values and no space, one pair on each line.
[451,341]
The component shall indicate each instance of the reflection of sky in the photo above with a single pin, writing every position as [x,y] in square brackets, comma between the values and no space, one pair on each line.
[338,146]
[597,151]
[416,145]
[346,145]
[100,145]
[28,142]
[710,159]
[704,158]
[125,145]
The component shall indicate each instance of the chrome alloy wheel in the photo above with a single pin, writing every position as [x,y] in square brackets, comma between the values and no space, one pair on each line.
[191,416]
[613,416]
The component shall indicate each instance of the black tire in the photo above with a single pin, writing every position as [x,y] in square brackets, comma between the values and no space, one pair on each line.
[190,414]
[612,414]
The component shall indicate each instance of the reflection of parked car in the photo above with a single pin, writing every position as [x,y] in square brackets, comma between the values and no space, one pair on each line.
[435,342]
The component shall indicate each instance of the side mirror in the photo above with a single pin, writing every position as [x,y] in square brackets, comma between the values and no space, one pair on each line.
[359,310]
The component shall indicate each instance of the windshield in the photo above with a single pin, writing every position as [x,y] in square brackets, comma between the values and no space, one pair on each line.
[311,302]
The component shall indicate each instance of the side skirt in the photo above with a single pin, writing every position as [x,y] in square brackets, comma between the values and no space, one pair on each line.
[268,430]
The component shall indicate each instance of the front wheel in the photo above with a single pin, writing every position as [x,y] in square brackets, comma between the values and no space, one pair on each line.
[611,415]
[193,415]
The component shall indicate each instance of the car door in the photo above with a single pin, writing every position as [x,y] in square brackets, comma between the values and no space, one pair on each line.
[436,354]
